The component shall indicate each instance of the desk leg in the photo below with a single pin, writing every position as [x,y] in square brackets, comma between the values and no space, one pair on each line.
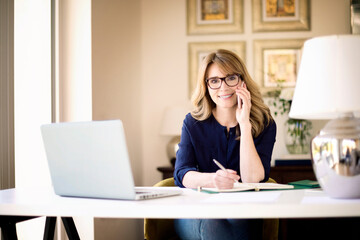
[8,231]
[68,224]
[70,228]
[8,226]
[49,228]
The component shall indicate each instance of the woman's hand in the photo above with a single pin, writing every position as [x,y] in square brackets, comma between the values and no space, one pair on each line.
[225,179]
[244,105]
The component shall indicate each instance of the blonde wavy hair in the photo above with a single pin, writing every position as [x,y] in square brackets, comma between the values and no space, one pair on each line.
[229,63]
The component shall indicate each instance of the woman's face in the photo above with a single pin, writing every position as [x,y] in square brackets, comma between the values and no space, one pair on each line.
[225,96]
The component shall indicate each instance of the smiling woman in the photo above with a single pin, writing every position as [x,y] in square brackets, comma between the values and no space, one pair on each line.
[230,123]
[229,63]
[222,94]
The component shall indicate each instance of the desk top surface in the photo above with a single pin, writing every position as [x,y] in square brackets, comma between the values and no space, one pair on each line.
[191,204]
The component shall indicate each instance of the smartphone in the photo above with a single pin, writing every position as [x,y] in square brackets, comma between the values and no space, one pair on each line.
[238,98]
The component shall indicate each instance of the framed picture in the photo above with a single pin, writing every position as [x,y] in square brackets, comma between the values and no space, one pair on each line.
[281,15]
[276,61]
[214,16]
[199,50]
[355,16]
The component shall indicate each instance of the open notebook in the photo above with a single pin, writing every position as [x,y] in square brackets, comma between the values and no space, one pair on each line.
[90,159]
[238,187]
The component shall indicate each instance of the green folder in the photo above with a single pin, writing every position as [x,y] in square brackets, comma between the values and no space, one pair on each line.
[303,184]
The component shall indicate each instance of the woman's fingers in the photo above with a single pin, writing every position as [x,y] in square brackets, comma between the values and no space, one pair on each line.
[243,111]
[225,179]
[243,94]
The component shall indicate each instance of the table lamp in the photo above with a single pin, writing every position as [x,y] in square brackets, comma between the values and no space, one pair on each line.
[328,87]
[171,126]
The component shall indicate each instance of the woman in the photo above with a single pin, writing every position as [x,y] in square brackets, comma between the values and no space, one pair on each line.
[230,123]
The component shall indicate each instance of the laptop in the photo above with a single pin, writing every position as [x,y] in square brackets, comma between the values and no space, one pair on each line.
[90,159]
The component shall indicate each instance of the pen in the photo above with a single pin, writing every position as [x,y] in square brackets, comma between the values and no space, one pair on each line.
[221,166]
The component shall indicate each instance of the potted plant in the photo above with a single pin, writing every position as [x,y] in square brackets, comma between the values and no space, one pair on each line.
[297,131]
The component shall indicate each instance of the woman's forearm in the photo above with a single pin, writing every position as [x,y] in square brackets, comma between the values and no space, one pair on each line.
[251,168]
[193,179]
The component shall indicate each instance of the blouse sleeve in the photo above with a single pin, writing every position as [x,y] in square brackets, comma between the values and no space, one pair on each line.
[185,156]
[264,145]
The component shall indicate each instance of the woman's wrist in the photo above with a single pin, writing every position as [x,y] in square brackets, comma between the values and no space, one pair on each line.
[245,126]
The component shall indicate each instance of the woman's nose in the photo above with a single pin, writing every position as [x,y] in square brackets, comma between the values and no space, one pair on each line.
[223,85]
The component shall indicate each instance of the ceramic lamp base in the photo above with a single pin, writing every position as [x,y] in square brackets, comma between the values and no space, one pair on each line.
[171,149]
[336,157]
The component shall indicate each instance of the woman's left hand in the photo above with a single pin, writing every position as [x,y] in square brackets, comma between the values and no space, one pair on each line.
[244,105]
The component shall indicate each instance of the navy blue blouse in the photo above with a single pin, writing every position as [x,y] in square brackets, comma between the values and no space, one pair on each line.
[203,141]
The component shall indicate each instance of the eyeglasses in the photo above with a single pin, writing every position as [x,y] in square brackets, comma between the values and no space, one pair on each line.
[231,81]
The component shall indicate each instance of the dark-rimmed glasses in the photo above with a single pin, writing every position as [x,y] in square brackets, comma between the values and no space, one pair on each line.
[231,81]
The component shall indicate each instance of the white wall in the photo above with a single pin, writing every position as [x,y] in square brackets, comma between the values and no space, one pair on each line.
[164,76]
[165,63]
[75,88]
[116,70]
[75,80]
[32,100]
[117,91]
[32,88]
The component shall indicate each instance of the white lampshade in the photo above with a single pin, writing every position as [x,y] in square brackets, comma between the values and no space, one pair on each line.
[173,120]
[328,82]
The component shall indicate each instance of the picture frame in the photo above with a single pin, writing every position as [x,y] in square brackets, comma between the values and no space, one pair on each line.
[214,17]
[276,60]
[355,16]
[293,15]
[198,50]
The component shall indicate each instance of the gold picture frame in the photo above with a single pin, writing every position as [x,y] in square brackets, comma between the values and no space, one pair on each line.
[294,15]
[198,50]
[355,16]
[276,60]
[214,16]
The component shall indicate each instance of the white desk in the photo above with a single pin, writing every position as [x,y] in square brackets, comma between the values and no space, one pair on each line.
[22,204]
[263,204]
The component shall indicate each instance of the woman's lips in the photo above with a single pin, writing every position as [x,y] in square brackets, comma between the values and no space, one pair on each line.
[226,96]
